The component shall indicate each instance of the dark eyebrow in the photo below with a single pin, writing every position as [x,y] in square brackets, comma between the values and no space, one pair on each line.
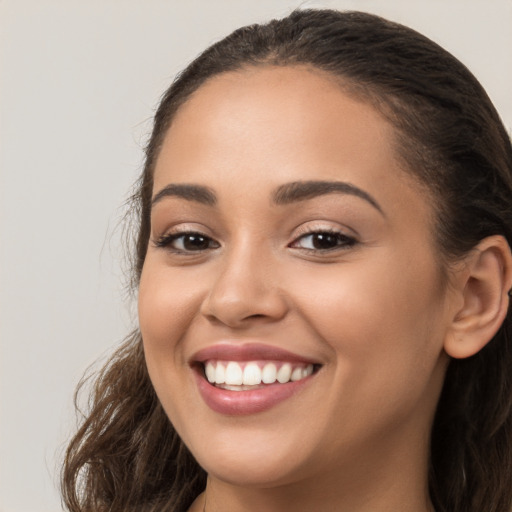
[303,190]
[198,193]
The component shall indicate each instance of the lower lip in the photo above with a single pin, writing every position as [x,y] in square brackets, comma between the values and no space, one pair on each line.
[238,403]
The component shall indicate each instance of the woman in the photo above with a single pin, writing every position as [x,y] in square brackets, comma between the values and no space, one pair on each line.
[323,268]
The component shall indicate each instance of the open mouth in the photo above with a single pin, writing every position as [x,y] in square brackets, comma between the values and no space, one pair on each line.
[251,375]
[241,379]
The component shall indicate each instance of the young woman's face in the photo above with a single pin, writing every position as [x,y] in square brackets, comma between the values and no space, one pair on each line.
[288,249]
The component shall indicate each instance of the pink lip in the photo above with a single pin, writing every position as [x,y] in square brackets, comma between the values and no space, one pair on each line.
[236,403]
[248,352]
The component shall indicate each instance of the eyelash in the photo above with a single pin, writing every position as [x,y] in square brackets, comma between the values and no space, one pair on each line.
[166,241]
[342,241]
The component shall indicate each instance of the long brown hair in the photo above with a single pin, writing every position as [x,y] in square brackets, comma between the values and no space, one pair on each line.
[126,456]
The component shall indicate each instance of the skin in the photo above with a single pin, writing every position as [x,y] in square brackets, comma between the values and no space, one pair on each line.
[375,314]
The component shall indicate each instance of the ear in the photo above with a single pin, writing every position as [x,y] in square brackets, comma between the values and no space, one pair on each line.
[483,286]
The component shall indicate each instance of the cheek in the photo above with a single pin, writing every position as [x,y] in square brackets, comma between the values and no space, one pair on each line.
[167,304]
[385,353]
[380,319]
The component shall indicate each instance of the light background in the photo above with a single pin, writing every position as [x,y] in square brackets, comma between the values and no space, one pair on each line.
[79,80]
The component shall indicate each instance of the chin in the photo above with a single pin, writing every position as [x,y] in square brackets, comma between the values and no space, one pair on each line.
[252,471]
[251,457]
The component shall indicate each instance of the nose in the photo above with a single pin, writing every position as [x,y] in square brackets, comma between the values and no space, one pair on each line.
[246,290]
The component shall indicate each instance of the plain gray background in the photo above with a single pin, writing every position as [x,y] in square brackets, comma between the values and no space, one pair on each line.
[79,80]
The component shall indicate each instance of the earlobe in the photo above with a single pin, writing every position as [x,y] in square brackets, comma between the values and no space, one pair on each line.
[484,286]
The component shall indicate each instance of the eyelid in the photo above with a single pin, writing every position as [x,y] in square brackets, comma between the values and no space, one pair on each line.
[308,228]
[347,236]
[179,228]
[166,242]
[173,233]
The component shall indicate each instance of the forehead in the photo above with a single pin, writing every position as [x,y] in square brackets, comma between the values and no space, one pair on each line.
[261,127]
[275,116]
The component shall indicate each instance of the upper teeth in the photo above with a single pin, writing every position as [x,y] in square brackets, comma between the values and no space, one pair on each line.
[253,373]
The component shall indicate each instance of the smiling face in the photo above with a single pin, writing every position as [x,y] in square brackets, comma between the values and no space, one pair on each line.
[286,243]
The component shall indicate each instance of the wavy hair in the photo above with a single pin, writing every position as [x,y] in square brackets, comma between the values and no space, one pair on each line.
[126,456]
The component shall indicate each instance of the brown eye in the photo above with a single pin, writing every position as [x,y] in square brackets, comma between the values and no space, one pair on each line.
[324,241]
[187,242]
[195,242]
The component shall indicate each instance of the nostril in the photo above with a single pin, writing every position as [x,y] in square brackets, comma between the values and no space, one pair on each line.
[238,304]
